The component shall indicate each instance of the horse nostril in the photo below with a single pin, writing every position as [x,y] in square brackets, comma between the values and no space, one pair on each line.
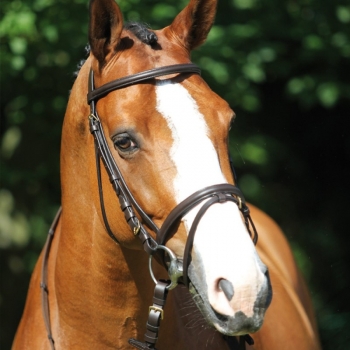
[227,287]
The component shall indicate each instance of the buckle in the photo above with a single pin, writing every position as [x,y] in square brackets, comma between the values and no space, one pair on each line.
[157,309]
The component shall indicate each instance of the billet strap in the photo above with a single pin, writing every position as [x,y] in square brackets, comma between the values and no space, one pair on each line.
[95,94]
[156,314]
[43,282]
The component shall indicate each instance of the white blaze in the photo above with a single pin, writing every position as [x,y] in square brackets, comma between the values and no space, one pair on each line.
[192,152]
[221,239]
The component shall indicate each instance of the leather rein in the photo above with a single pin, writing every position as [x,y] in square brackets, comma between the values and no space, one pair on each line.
[177,269]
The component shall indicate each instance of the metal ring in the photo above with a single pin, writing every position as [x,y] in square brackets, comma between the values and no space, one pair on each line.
[173,259]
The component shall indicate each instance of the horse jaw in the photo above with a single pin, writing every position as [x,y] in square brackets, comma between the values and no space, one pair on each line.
[222,248]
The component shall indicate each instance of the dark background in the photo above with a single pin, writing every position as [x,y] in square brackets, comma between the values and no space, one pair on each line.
[284,68]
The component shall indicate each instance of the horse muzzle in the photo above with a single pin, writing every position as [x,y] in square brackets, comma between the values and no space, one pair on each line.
[233,308]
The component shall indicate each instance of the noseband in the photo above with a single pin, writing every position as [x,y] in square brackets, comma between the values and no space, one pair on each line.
[219,193]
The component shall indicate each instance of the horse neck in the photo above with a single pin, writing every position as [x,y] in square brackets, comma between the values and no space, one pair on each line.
[96,280]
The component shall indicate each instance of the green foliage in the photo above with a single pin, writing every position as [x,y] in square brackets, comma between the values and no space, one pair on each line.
[283,67]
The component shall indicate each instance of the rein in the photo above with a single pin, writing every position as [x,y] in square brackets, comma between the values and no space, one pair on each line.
[43,283]
[177,269]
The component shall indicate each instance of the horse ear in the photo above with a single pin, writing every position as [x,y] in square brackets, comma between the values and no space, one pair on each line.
[105,27]
[193,23]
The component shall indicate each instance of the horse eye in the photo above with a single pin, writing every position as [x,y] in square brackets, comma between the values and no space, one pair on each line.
[124,143]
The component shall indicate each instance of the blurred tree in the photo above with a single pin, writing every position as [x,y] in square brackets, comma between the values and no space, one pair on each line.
[284,68]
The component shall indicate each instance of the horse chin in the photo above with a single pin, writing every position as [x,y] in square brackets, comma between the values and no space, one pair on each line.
[236,325]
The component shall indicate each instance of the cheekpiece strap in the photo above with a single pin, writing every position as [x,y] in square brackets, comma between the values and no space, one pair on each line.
[116,180]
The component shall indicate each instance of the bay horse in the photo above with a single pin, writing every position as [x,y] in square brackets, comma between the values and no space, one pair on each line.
[166,187]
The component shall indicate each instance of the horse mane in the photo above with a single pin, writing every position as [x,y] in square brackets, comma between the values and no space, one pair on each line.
[140,30]
[82,61]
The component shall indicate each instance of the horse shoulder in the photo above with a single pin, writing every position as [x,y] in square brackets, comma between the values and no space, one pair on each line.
[290,316]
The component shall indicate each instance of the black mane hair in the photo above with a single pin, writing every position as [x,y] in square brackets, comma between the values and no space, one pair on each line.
[142,32]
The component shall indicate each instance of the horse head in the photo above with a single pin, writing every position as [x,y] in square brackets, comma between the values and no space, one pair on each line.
[168,136]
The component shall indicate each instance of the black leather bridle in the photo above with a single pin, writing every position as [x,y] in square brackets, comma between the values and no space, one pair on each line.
[218,193]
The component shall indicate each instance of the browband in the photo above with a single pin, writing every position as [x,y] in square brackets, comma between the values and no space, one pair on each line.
[140,77]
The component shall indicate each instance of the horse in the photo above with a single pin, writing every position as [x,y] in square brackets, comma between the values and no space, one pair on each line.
[140,108]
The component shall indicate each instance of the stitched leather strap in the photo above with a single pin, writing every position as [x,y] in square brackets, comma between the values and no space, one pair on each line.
[137,78]
[156,313]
